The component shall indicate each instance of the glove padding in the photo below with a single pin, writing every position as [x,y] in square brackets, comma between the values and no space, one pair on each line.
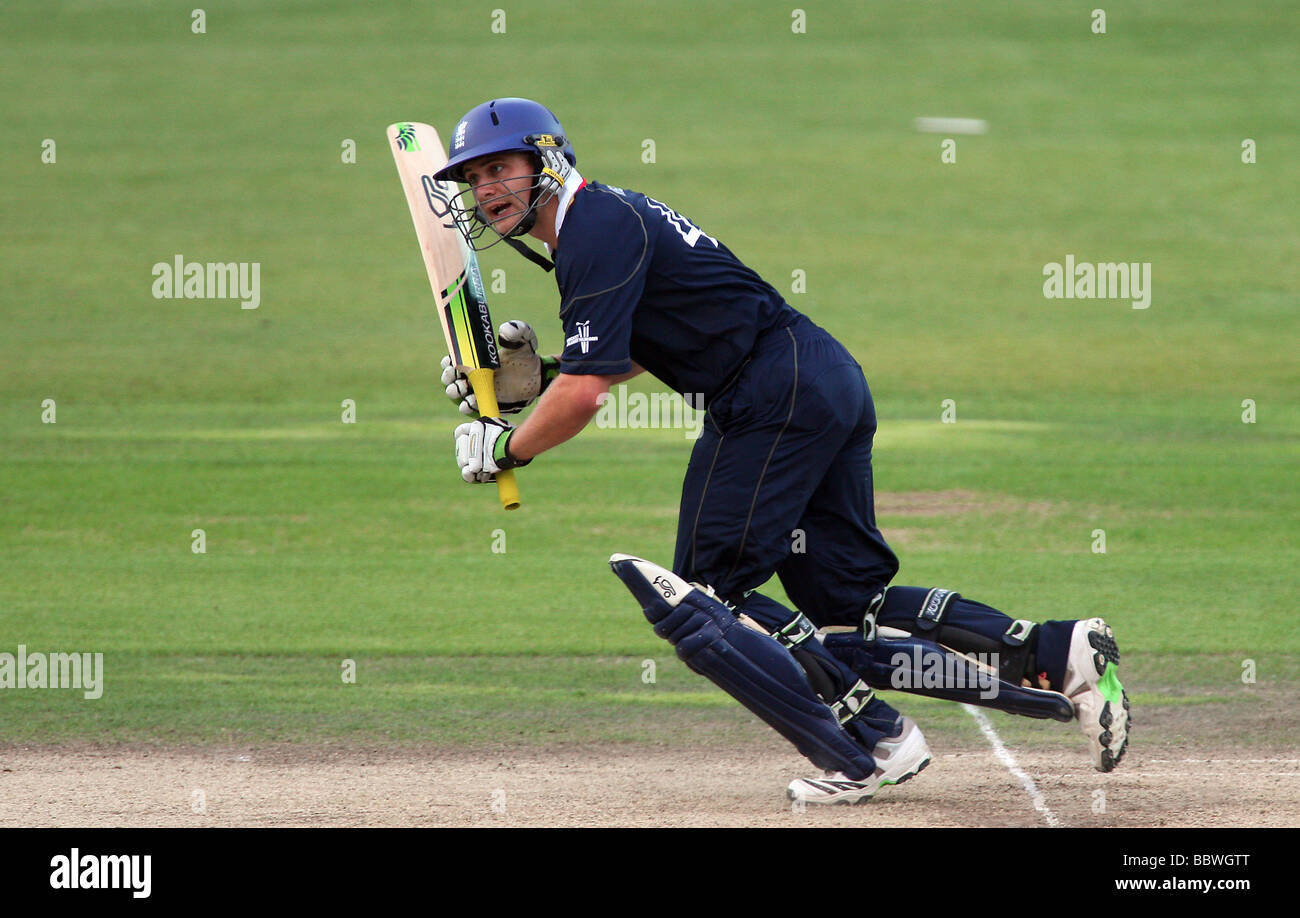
[521,378]
[482,449]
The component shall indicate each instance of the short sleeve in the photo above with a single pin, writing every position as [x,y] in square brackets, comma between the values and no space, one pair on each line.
[601,264]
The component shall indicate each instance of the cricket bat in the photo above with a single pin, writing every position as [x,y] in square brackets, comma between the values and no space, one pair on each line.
[453,271]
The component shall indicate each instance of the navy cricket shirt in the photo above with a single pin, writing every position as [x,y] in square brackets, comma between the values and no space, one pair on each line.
[639,282]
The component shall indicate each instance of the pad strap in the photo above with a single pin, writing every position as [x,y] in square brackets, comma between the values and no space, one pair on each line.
[853,702]
[796,632]
[827,679]
[933,608]
[968,627]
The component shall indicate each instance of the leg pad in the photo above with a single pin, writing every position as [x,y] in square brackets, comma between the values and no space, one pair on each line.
[751,667]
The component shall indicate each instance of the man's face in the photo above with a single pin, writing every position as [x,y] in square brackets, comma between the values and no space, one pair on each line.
[500,184]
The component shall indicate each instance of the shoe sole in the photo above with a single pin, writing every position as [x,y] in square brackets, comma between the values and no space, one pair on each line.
[1105,657]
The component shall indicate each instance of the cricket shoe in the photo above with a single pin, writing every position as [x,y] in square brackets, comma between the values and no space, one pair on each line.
[1093,686]
[898,759]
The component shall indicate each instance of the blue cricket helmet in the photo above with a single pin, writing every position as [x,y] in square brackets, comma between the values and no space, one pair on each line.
[504,125]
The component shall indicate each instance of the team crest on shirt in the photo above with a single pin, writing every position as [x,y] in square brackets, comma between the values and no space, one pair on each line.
[584,337]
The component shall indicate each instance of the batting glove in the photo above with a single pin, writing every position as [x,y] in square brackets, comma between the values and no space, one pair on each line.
[522,377]
[483,449]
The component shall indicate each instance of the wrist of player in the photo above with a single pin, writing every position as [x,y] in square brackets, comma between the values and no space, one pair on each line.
[502,456]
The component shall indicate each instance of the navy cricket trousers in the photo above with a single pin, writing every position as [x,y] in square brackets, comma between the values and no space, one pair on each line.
[780,482]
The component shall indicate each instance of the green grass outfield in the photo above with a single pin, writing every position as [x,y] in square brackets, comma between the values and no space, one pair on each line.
[329,541]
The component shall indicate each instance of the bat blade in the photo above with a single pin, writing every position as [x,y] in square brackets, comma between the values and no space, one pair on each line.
[452,268]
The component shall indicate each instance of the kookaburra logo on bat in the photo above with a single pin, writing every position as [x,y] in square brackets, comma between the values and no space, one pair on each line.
[406,139]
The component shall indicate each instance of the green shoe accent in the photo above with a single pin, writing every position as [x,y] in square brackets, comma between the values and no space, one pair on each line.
[1109,685]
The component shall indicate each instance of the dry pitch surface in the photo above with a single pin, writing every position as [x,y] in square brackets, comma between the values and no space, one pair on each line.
[1165,780]
[718,787]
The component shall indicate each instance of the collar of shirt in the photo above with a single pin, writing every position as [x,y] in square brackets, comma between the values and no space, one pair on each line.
[571,186]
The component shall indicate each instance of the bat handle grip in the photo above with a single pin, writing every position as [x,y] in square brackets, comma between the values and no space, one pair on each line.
[486,394]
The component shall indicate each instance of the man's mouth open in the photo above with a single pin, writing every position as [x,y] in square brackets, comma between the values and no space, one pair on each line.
[499,209]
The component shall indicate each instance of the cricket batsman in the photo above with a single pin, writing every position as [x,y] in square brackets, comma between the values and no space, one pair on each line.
[786,448]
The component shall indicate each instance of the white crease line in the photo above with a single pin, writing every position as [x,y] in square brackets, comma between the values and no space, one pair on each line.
[1005,757]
